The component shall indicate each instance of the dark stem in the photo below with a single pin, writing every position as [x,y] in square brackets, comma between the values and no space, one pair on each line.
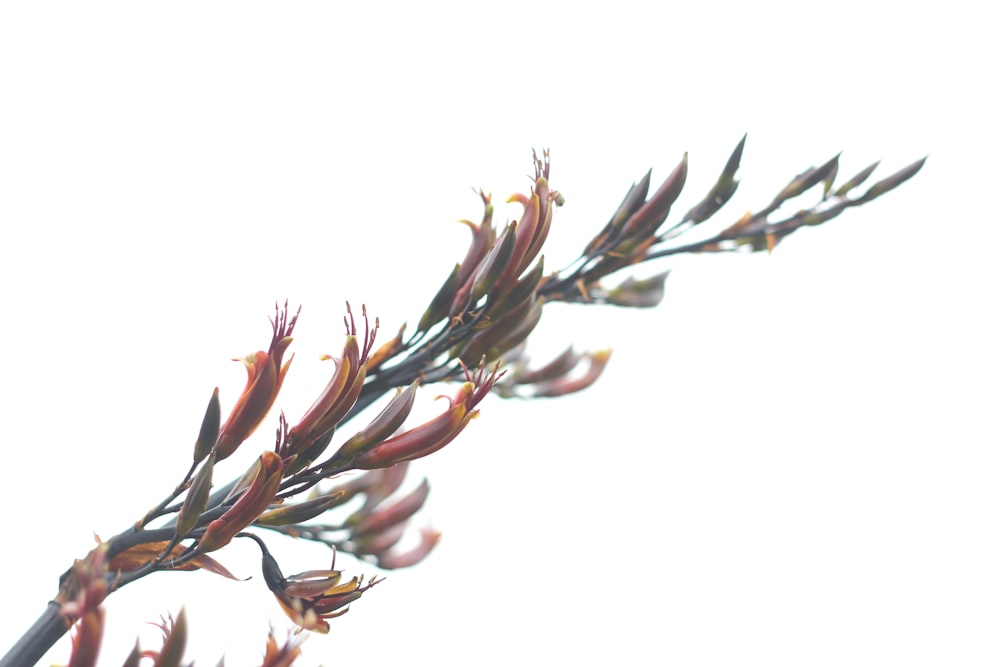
[39,638]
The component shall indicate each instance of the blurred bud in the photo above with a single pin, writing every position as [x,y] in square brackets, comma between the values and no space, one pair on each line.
[558,367]
[856,180]
[807,179]
[86,640]
[893,181]
[174,641]
[282,656]
[385,482]
[377,543]
[209,433]
[371,484]
[830,177]
[85,586]
[741,226]
[251,504]
[633,293]
[564,385]
[721,192]
[386,517]
[134,657]
[400,559]
[81,593]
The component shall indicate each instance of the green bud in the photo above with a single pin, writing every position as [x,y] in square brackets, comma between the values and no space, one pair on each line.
[209,433]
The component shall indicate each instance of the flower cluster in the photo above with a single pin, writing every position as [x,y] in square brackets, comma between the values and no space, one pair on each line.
[472,334]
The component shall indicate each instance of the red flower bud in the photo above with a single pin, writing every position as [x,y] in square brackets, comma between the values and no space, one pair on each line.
[421,440]
[265,373]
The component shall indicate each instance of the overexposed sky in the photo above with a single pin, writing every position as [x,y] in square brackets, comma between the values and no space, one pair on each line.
[793,460]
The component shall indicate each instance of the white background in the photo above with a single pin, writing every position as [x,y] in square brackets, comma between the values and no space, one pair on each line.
[792,461]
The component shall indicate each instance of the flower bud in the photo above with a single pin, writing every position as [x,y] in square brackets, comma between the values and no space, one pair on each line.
[562,386]
[398,512]
[384,425]
[196,500]
[394,560]
[652,213]
[303,511]
[265,374]
[441,303]
[558,367]
[634,198]
[254,500]
[421,440]
[209,433]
